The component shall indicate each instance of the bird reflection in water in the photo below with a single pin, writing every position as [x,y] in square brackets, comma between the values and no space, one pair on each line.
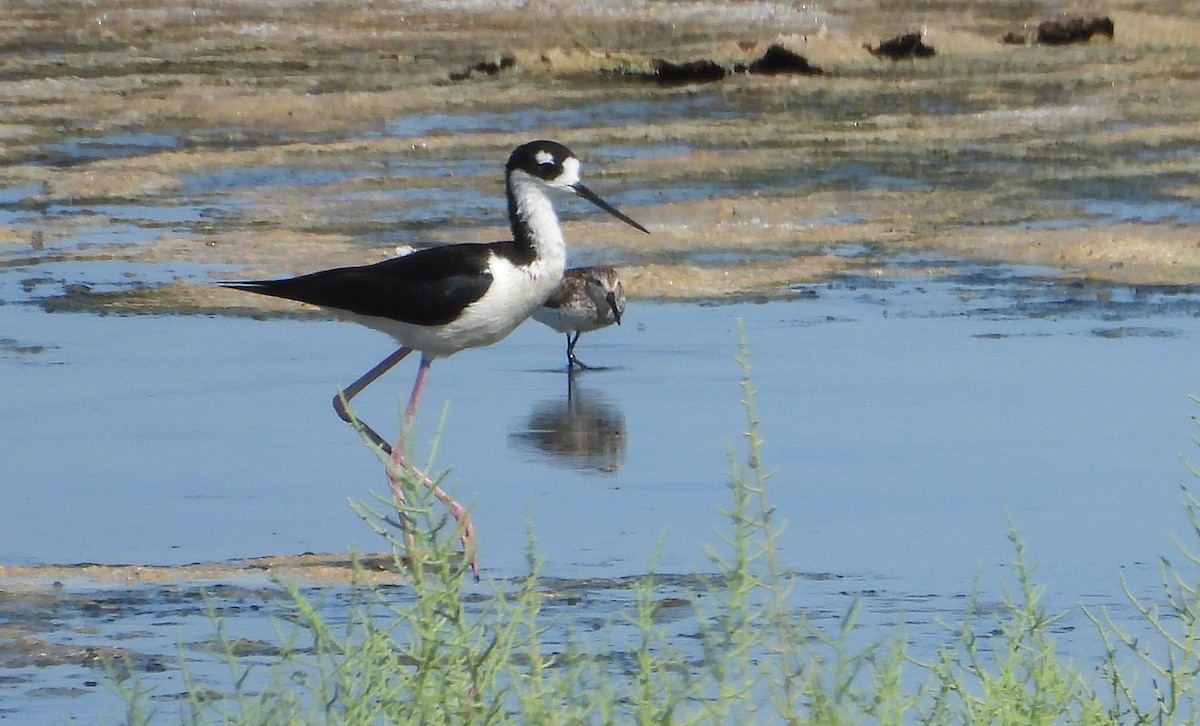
[582,432]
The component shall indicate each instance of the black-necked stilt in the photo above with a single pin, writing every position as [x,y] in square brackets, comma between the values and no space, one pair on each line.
[589,298]
[441,300]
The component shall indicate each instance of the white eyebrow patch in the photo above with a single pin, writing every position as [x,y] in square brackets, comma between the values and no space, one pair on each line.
[570,172]
[544,157]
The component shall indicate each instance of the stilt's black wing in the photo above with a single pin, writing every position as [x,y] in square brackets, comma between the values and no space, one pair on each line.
[428,287]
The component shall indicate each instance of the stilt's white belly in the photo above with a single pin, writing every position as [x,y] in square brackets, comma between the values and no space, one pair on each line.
[515,292]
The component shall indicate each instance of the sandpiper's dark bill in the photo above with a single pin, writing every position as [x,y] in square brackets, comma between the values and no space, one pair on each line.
[589,298]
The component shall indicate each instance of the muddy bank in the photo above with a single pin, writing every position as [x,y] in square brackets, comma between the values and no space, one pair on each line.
[258,140]
[323,569]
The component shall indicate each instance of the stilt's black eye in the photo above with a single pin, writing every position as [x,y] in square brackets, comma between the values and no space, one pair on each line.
[548,165]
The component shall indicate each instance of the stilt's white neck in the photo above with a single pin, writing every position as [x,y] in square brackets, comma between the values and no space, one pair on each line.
[534,223]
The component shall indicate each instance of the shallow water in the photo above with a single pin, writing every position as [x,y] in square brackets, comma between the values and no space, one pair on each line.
[896,393]
[903,421]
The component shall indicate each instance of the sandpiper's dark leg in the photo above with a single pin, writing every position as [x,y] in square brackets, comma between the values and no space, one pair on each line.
[571,359]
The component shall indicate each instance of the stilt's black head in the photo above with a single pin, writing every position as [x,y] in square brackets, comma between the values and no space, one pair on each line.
[554,165]
[546,160]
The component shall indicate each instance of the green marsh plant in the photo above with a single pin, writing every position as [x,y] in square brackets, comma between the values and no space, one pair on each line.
[737,648]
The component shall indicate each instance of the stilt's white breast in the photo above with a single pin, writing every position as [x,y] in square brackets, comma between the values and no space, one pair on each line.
[517,288]
[515,292]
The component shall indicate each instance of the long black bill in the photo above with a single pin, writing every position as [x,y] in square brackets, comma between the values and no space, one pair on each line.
[592,197]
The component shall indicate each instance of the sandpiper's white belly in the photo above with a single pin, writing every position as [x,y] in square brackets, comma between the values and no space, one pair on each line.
[580,316]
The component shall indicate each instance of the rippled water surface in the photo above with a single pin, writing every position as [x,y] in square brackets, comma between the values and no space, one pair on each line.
[905,424]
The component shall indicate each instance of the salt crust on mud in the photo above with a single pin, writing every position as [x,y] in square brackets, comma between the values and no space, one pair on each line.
[1103,111]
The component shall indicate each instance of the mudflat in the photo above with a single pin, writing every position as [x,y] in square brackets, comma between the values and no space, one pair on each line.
[299,135]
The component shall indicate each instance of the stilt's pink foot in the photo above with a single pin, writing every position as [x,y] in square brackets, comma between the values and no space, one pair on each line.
[466,528]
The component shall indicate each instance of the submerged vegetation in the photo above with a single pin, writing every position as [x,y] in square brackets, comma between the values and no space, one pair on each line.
[732,646]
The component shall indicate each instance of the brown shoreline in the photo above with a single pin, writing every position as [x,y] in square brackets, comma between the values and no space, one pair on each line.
[278,86]
[326,569]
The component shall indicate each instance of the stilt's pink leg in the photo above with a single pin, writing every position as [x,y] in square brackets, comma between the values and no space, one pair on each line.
[465,527]
[340,404]
[414,398]
[342,399]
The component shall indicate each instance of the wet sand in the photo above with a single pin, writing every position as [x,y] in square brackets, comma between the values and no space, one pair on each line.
[319,569]
[1082,158]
